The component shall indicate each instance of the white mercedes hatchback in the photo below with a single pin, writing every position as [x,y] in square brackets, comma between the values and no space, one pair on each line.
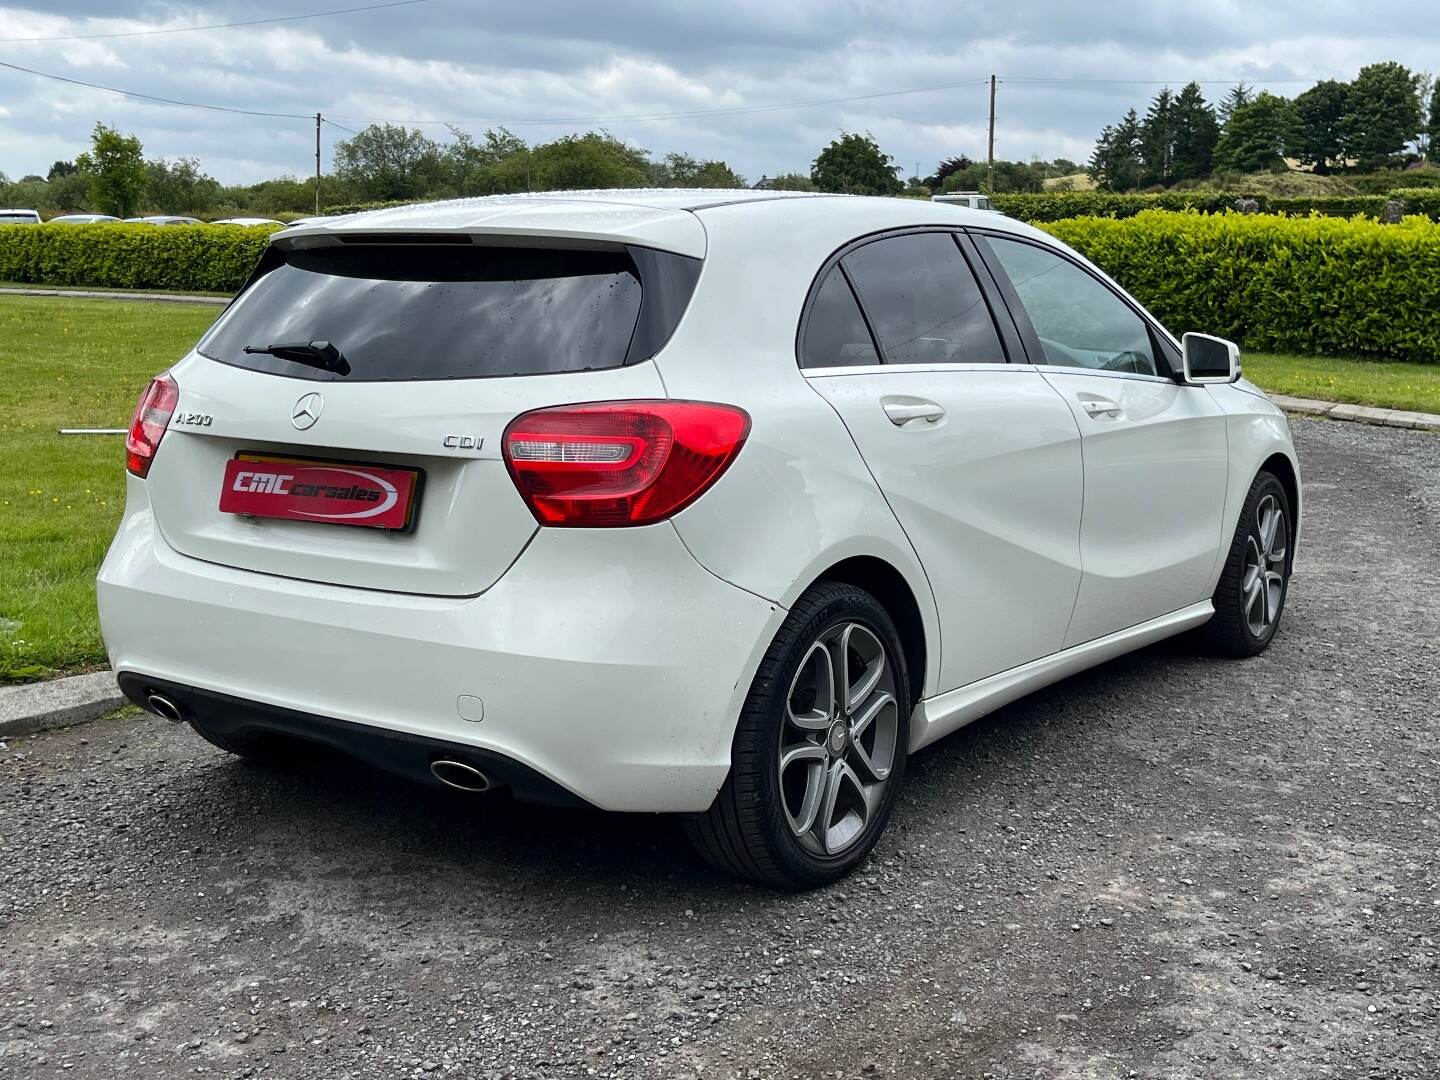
[712,503]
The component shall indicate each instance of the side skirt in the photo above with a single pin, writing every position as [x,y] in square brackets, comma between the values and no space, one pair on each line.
[938,716]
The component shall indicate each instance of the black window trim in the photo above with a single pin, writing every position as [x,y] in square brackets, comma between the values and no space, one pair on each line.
[1165,350]
[1010,342]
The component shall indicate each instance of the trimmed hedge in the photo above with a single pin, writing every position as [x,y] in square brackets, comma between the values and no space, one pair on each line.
[1059,205]
[1323,286]
[189,258]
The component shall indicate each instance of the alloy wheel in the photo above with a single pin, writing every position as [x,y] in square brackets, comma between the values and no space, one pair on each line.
[1262,587]
[838,739]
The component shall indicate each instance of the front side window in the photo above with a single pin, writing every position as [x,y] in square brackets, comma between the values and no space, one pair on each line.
[923,302]
[1079,321]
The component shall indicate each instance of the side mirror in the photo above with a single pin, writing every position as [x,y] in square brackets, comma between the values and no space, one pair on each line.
[1209,359]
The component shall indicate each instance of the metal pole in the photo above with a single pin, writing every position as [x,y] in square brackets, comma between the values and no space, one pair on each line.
[317,163]
[990,156]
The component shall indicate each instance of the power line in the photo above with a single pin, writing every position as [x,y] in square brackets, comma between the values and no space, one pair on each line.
[737,110]
[215,26]
[342,127]
[731,110]
[152,98]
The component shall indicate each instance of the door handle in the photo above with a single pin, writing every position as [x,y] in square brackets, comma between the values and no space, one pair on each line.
[902,412]
[1100,407]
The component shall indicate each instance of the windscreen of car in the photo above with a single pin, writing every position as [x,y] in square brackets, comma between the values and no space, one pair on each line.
[431,311]
[17,219]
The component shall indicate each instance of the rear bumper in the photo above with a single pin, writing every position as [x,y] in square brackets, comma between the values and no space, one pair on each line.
[609,662]
[406,755]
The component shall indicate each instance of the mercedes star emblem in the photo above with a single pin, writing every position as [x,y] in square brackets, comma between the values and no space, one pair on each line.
[307,411]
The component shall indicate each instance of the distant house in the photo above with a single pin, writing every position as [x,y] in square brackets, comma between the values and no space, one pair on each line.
[763,184]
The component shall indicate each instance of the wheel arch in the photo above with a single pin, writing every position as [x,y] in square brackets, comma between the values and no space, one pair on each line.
[888,585]
[1284,470]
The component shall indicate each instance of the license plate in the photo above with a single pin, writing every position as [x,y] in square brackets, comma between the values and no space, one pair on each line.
[337,492]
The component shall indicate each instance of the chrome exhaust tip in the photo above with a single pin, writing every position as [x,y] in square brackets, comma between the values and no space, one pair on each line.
[163,707]
[459,775]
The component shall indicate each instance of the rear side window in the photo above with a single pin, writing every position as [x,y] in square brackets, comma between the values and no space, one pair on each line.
[923,302]
[835,331]
[431,311]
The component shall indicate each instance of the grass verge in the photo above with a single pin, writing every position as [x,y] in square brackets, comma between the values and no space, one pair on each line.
[107,288]
[1382,383]
[68,363]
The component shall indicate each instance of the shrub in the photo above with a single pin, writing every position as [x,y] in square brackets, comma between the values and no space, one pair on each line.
[1058,205]
[190,258]
[1345,206]
[1314,285]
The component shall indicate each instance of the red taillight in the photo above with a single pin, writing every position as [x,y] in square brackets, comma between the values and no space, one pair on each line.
[147,426]
[620,462]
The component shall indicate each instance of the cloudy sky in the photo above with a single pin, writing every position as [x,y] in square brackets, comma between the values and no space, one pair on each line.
[545,67]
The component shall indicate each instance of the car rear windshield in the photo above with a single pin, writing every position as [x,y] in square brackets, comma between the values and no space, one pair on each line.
[18,219]
[439,311]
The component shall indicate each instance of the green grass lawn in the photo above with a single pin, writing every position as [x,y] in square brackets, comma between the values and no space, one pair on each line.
[82,363]
[1382,383]
[106,288]
[68,363]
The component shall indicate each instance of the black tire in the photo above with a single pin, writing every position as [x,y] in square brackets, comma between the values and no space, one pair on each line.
[746,831]
[1230,632]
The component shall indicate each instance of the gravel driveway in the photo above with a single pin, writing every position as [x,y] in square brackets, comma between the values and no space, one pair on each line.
[1166,867]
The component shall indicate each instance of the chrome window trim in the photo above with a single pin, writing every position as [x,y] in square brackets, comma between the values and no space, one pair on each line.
[1066,369]
[881,369]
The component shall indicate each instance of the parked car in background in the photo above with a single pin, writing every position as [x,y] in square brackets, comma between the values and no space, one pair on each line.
[973,199]
[81,219]
[164,219]
[313,220]
[19,217]
[247,221]
[718,503]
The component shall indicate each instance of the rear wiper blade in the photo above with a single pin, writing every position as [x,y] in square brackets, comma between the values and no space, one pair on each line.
[319,354]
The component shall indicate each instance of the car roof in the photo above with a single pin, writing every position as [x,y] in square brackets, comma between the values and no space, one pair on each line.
[671,219]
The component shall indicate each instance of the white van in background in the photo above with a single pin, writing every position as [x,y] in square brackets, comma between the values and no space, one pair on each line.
[973,199]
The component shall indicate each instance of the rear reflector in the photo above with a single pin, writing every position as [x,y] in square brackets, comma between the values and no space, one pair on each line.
[147,426]
[620,463]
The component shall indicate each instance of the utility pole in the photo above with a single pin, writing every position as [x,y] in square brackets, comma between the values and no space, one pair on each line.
[317,157]
[990,155]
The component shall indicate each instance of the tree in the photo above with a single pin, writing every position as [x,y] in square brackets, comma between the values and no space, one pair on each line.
[1433,147]
[1320,126]
[1382,112]
[1195,132]
[62,169]
[1257,134]
[949,167]
[592,160]
[115,165]
[384,162]
[1238,96]
[1115,164]
[682,170]
[856,165]
[1157,140]
[474,168]
[181,188]
[792,182]
[1009,176]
